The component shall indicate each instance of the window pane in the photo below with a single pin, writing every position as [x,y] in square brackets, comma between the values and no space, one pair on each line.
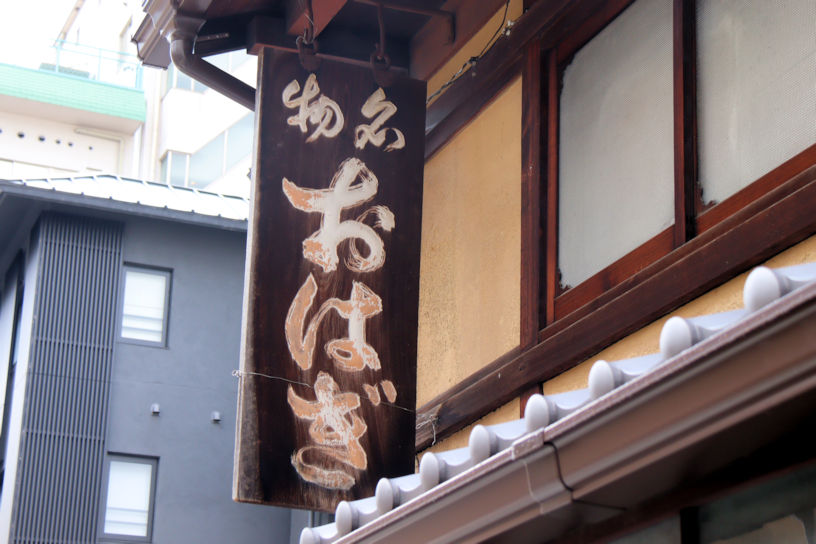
[163,166]
[169,76]
[221,60]
[756,93]
[207,164]
[616,188]
[143,313]
[178,168]
[239,140]
[183,81]
[128,504]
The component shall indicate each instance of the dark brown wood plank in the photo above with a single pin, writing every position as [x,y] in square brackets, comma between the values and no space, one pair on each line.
[531,241]
[614,274]
[343,45]
[774,222]
[685,121]
[431,46]
[499,65]
[531,155]
[551,187]
[323,11]
[328,371]
[580,31]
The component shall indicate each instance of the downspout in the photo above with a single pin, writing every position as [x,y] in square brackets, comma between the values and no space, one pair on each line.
[181,51]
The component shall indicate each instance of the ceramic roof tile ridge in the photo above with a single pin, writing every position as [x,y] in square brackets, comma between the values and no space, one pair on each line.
[150,195]
[762,287]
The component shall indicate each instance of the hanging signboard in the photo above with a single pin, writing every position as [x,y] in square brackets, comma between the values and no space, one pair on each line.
[328,372]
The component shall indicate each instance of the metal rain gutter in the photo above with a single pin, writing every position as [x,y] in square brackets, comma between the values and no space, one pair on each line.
[181,51]
[163,21]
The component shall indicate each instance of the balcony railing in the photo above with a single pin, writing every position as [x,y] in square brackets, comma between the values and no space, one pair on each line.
[77,60]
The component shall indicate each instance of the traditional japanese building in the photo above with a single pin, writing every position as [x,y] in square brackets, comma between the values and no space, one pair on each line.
[594,361]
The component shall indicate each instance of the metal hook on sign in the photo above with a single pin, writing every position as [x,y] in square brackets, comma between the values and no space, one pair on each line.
[380,61]
[306,43]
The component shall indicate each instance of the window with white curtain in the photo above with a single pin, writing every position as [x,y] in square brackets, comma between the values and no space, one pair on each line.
[129,497]
[145,305]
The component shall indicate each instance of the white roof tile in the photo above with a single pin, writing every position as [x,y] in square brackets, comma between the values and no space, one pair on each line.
[159,196]
[762,287]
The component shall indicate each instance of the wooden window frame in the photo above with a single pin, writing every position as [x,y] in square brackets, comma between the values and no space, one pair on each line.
[702,249]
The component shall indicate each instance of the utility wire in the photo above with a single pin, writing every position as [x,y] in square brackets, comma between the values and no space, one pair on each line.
[472,60]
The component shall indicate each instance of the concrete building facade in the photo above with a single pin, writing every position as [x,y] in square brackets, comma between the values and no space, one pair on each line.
[118,422]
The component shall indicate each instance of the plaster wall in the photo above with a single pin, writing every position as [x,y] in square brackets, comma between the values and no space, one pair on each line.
[62,146]
[470,257]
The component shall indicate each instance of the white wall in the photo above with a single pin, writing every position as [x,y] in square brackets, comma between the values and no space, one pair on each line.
[62,146]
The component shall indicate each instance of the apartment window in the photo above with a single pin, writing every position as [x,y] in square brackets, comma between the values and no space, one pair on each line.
[129,498]
[174,167]
[228,62]
[145,302]
[213,160]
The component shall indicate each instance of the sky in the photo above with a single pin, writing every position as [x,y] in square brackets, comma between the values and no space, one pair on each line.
[28,28]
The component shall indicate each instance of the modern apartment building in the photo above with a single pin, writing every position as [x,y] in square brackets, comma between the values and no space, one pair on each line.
[119,333]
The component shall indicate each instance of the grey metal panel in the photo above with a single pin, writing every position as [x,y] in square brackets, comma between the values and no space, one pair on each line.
[64,423]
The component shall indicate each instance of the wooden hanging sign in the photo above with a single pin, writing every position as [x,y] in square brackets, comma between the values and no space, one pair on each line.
[328,371]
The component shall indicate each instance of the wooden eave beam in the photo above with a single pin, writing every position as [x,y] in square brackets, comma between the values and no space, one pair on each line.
[432,46]
[323,10]
[335,44]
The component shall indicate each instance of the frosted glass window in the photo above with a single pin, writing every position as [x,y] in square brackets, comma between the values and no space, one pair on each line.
[129,498]
[144,313]
[616,188]
[756,89]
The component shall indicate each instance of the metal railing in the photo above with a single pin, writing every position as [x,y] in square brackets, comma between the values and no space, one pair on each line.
[77,60]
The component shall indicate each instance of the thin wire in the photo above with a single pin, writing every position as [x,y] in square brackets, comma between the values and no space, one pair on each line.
[472,60]
[308,32]
[239,373]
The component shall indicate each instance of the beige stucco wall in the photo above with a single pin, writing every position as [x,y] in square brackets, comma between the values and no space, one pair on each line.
[469,266]
[726,297]
[473,46]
